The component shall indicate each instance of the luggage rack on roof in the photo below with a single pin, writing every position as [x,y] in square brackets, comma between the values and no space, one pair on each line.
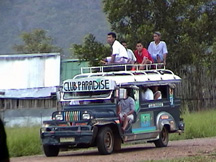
[122,67]
[126,74]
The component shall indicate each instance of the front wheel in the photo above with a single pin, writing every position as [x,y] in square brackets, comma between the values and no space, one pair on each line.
[117,143]
[163,138]
[51,150]
[105,141]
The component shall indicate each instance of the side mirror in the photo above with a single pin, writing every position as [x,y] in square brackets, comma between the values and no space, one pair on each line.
[58,93]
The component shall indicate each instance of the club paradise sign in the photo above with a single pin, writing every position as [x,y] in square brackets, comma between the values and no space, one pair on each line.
[90,84]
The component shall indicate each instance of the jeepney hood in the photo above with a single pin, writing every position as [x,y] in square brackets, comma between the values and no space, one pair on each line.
[77,113]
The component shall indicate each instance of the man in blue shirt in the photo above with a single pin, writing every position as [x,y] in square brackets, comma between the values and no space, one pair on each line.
[158,49]
[125,110]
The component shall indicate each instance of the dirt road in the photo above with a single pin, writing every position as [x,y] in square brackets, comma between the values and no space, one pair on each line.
[138,152]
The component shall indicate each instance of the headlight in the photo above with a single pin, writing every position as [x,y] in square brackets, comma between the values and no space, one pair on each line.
[59,117]
[86,116]
[45,125]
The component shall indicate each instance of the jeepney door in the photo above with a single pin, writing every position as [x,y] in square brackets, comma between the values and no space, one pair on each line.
[143,119]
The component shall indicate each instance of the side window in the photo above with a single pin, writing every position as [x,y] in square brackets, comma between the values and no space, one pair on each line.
[160,92]
[157,92]
[164,91]
[146,93]
[171,95]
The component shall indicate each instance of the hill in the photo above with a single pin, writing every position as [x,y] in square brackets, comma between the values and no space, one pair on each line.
[67,21]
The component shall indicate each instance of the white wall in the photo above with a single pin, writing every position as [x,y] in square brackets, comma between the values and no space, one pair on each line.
[29,71]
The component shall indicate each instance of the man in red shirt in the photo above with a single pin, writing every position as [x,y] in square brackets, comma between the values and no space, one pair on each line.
[142,55]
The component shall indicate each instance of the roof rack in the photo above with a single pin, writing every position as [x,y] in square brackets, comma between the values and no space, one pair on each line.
[131,74]
[123,67]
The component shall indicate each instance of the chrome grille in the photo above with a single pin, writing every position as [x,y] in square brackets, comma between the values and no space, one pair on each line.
[72,116]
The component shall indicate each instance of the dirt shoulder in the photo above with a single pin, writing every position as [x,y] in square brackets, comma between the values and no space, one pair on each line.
[138,152]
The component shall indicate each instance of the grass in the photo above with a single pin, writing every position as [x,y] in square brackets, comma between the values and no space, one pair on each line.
[26,140]
[23,141]
[198,125]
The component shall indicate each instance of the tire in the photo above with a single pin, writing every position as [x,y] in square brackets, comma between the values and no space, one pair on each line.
[117,143]
[163,138]
[105,141]
[51,150]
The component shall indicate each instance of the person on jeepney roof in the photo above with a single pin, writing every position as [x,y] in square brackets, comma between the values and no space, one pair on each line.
[125,110]
[131,57]
[119,54]
[158,49]
[142,55]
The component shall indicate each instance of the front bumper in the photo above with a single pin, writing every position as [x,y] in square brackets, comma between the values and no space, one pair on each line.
[67,136]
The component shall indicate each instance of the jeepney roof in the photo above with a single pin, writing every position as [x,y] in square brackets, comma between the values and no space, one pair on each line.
[126,76]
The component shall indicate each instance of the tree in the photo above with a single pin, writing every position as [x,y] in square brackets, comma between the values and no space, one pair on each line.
[36,42]
[90,50]
[186,26]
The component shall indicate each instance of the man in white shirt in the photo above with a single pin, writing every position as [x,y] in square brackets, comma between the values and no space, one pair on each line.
[119,53]
[158,49]
[131,57]
[147,94]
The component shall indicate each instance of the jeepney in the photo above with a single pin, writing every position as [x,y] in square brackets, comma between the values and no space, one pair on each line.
[88,116]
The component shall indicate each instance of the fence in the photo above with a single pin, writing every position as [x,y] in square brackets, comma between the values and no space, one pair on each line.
[27,103]
[197,89]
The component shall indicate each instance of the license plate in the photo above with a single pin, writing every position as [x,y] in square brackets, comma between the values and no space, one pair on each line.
[67,139]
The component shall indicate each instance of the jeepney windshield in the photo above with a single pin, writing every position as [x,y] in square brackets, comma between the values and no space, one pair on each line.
[88,95]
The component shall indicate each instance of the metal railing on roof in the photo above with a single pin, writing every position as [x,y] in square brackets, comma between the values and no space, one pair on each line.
[151,73]
[123,67]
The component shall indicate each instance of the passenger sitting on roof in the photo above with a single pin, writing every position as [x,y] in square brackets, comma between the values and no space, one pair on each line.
[119,53]
[142,55]
[158,49]
[125,110]
[131,57]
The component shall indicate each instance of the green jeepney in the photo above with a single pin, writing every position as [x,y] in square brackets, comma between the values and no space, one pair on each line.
[88,116]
